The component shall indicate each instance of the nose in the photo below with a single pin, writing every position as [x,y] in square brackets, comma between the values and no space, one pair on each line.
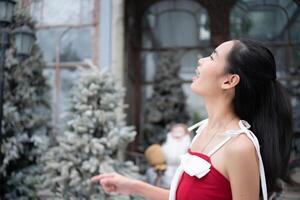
[200,61]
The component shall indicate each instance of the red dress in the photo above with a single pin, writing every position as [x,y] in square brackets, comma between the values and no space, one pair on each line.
[197,179]
[212,186]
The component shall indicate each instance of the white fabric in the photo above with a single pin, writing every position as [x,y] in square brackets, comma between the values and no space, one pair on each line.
[173,148]
[218,146]
[195,166]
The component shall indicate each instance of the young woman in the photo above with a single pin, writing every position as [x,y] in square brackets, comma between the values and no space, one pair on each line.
[228,158]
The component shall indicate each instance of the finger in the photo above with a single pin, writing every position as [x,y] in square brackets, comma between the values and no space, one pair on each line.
[101,176]
[108,187]
[112,189]
[107,182]
[109,190]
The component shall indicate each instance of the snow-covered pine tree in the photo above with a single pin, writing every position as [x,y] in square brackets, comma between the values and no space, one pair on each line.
[94,142]
[167,103]
[26,119]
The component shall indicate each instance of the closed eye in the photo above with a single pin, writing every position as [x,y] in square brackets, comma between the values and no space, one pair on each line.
[214,52]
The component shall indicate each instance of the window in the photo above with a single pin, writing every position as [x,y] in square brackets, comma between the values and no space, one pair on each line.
[67,32]
[180,27]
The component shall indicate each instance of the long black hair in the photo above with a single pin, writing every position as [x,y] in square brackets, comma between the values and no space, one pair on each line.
[261,100]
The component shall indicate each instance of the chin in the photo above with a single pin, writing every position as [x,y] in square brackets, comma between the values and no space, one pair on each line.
[196,89]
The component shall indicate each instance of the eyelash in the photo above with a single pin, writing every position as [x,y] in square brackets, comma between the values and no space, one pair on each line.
[211,57]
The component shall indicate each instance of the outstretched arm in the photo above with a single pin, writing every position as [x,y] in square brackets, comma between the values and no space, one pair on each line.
[113,182]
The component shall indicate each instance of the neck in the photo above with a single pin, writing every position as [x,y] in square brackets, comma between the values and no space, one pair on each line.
[220,114]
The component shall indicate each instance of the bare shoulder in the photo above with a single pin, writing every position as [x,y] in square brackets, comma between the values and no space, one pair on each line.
[242,167]
[241,151]
[240,145]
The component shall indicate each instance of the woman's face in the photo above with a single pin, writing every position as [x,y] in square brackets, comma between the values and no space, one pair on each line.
[210,71]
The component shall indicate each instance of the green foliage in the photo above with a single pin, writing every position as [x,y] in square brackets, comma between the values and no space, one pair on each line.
[94,142]
[167,103]
[26,122]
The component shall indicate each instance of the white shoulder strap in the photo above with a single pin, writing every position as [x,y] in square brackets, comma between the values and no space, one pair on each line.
[201,125]
[244,125]
[197,125]
[218,146]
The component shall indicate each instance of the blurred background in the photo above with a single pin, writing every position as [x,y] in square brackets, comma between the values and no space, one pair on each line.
[151,48]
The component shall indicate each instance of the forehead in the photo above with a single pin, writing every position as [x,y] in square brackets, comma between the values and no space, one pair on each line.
[224,48]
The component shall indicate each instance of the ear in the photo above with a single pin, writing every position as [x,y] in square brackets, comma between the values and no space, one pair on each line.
[230,81]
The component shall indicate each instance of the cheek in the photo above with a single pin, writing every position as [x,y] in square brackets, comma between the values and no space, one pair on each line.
[207,81]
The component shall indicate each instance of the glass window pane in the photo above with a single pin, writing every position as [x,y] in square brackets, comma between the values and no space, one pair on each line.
[47,40]
[286,58]
[295,36]
[282,59]
[169,29]
[188,61]
[274,20]
[57,12]
[75,44]
[175,24]
[296,57]
[68,80]
[149,63]
[171,5]
[204,32]
[265,23]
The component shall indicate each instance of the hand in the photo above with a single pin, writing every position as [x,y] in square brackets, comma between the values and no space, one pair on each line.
[113,182]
